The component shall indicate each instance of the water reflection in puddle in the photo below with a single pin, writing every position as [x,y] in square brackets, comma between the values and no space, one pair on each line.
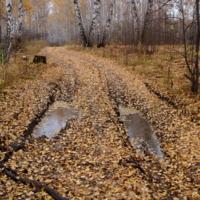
[55,119]
[139,131]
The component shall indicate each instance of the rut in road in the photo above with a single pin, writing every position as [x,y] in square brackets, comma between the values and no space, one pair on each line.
[67,89]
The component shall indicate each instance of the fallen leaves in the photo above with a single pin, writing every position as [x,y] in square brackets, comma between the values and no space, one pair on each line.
[83,161]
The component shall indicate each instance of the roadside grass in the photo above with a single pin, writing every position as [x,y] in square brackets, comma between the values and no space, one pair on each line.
[18,70]
[161,67]
[34,46]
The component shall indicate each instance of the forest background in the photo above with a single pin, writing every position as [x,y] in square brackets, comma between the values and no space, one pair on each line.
[158,39]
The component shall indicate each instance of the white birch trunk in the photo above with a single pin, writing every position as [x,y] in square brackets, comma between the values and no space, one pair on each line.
[136,19]
[108,22]
[10,29]
[20,22]
[98,26]
[95,21]
[146,20]
[80,23]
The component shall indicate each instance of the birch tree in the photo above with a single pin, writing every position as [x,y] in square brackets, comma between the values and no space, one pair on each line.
[80,23]
[146,20]
[95,21]
[10,29]
[20,23]
[107,27]
[134,8]
[2,5]
[98,27]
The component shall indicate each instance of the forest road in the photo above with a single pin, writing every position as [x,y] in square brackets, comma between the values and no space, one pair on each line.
[100,86]
[98,138]
[92,158]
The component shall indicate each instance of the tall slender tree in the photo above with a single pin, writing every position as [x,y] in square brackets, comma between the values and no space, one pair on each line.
[107,27]
[196,69]
[95,21]
[147,19]
[134,8]
[80,23]
[20,23]
[10,29]
[2,17]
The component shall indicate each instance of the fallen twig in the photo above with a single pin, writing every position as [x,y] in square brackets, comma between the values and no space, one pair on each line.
[11,174]
[134,164]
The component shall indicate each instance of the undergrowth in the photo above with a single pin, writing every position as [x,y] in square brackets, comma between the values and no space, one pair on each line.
[17,70]
[34,46]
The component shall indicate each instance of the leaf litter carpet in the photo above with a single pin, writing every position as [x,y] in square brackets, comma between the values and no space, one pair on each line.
[92,158]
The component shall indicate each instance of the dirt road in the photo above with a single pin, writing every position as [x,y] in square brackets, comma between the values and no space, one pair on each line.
[92,158]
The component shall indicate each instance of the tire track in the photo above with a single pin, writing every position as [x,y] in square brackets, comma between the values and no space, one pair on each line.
[67,89]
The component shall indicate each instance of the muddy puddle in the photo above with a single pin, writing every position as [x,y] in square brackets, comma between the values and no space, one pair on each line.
[139,131]
[55,119]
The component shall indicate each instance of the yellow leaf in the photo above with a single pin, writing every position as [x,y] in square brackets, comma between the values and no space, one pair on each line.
[53,154]
[132,179]
[131,173]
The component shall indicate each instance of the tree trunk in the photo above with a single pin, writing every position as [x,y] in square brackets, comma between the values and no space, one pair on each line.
[0,32]
[20,23]
[146,21]
[95,21]
[10,29]
[136,19]
[98,27]
[80,23]
[196,74]
[108,22]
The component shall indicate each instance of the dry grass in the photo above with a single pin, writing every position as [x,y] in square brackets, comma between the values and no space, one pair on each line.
[34,46]
[17,69]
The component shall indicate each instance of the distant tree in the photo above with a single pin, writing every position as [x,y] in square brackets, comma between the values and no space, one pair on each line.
[95,22]
[107,27]
[88,41]
[10,29]
[195,79]
[61,24]
[80,23]
[2,17]
[147,19]
[20,23]
[135,13]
